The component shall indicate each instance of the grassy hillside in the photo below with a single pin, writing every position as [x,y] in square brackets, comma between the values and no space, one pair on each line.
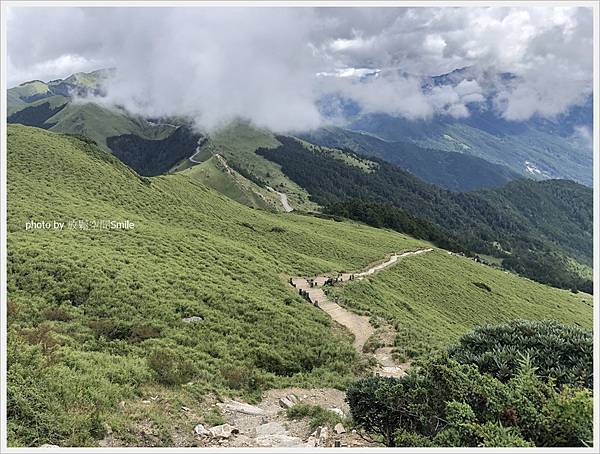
[435,298]
[214,174]
[148,147]
[25,93]
[534,226]
[95,315]
[237,143]
[37,113]
[99,123]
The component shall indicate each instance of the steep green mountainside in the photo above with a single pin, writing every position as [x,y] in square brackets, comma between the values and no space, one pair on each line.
[148,147]
[37,113]
[19,97]
[100,316]
[527,148]
[522,222]
[216,174]
[100,123]
[237,144]
[451,170]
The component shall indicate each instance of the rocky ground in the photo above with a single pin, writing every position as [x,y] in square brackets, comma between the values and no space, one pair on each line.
[267,425]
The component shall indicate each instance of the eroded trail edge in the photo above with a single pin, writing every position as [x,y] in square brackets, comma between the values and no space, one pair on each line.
[358,325]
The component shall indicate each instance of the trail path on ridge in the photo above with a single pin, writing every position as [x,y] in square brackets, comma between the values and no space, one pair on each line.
[358,325]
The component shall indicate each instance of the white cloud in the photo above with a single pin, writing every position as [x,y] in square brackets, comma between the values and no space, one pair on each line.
[395,95]
[272,65]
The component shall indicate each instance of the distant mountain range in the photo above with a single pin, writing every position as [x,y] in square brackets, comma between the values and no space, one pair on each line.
[537,148]
[450,170]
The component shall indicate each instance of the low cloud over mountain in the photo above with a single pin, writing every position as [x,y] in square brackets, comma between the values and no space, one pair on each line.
[273,65]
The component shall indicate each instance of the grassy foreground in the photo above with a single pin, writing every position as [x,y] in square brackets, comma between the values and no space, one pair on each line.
[96,316]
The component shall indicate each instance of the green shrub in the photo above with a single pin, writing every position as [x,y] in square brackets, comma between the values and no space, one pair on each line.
[567,418]
[170,367]
[111,329]
[57,314]
[243,378]
[561,352]
[319,416]
[142,332]
[443,403]
[64,403]
[372,344]
[376,405]
[482,286]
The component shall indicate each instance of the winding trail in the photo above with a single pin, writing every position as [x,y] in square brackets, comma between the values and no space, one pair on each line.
[358,325]
[284,200]
[191,158]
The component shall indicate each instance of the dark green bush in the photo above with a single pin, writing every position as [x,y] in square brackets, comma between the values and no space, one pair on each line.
[142,332]
[443,403]
[111,329]
[242,378]
[561,352]
[482,286]
[377,406]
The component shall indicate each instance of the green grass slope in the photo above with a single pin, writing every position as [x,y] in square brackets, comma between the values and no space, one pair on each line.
[95,315]
[25,93]
[435,298]
[98,123]
[214,174]
[37,113]
[237,143]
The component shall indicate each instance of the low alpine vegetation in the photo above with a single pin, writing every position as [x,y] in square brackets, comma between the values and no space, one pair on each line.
[557,351]
[442,402]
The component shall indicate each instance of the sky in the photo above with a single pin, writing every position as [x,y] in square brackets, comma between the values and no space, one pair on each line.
[272,66]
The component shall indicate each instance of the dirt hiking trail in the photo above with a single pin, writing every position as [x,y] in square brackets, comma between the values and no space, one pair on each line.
[359,325]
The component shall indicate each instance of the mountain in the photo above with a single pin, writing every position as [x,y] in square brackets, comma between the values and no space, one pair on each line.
[126,336]
[536,227]
[153,147]
[539,147]
[78,84]
[526,149]
[323,170]
[451,170]
[241,168]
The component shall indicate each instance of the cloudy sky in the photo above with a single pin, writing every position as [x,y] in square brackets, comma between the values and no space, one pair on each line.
[273,65]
